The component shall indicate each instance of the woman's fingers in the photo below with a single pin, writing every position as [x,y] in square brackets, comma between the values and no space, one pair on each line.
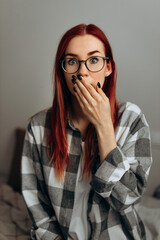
[81,99]
[88,91]
[100,91]
[93,102]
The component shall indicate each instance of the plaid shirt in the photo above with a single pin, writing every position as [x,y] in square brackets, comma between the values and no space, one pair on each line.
[116,184]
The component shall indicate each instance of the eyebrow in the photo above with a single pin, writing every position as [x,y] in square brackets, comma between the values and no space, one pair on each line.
[75,55]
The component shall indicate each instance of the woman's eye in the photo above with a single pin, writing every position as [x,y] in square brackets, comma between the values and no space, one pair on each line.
[72,61]
[94,60]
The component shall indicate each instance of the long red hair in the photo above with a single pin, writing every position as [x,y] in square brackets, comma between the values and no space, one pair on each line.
[57,141]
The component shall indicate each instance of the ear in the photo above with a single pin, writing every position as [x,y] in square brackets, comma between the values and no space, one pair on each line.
[108,69]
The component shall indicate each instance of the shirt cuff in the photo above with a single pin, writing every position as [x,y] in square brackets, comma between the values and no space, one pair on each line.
[110,171]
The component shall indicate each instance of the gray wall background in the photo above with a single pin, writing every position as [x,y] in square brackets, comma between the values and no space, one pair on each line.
[29,34]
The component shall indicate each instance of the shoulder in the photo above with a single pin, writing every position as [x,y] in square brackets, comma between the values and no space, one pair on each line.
[128,108]
[131,122]
[41,118]
[36,136]
[39,124]
[130,113]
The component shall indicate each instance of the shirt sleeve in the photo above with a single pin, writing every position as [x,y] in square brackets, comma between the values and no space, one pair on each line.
[122,177]
[45,225]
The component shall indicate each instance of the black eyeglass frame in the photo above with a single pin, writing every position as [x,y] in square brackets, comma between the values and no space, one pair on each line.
[80,61]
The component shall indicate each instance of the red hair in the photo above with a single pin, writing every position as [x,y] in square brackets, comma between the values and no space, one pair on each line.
[57,140]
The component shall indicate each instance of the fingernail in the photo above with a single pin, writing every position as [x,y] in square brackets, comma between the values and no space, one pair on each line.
[73,77]
[73,81]
[79,77]
[74,89]
[99,85]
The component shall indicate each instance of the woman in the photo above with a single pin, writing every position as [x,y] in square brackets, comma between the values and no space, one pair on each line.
[86,160]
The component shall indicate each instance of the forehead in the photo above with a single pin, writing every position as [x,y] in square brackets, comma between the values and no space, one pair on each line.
[85,44]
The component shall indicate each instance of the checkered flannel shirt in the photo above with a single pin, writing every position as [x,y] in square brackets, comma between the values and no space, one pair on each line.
[116,184]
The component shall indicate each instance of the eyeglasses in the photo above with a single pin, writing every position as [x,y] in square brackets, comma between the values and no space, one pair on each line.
[93,64]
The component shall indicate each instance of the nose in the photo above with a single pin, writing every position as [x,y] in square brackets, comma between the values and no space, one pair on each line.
[83,71]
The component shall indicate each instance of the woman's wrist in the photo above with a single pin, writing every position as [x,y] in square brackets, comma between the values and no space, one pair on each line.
[105,131]
[106,140]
